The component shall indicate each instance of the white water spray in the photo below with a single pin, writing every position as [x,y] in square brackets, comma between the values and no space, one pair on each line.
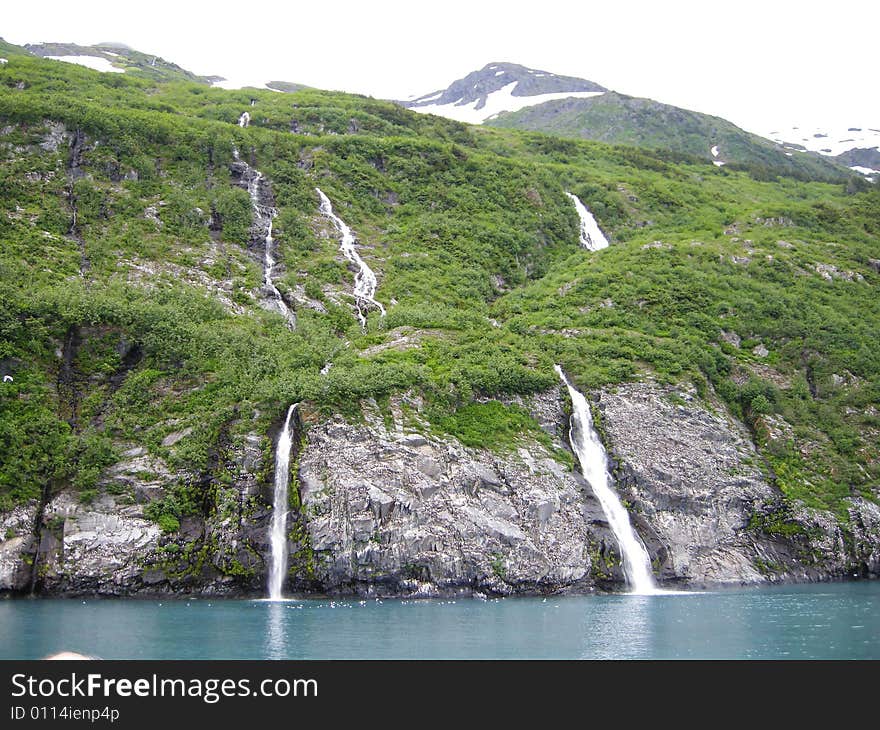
[591,235]
[264,216]
[244,120]
[594,466]
[365,280]
[278,529]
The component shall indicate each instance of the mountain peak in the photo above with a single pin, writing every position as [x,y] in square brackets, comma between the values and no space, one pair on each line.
[500,86]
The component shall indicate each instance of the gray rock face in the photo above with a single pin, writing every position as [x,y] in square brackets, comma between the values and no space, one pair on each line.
[821,548]
[690,476]
[100,546]
[389,513]
[56,134]
[861,156]
[109,547]
[387,510]
[865,522]
[16,547]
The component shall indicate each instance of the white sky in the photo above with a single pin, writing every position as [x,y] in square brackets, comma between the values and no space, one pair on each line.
[760,64]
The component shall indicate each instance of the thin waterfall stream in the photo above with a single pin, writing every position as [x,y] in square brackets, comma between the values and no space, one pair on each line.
[264,216]
[594,466]
[591,236]
[365,280]
[278,528]
[263,219]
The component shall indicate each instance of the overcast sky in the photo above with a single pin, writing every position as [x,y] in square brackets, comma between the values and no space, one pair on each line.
[759,64]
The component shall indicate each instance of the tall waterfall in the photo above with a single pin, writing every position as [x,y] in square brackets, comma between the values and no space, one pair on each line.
[591,235]
[365,280]
[264,216]
[594,466]
[278,530]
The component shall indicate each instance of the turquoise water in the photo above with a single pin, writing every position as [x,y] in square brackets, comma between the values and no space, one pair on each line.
[824,621]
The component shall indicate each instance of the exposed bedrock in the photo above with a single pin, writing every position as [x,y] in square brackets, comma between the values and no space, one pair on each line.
[383,506]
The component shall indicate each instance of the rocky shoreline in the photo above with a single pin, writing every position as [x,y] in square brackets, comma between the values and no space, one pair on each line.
[384,508]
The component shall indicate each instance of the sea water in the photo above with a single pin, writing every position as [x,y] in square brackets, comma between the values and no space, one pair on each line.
[812,621]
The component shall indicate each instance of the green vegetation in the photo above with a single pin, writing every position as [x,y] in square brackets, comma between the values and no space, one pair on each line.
[143,318]
[497,564]
[626,120]
[490,425]
[144,65]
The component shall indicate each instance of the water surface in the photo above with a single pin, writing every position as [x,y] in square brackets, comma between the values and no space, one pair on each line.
[819,621]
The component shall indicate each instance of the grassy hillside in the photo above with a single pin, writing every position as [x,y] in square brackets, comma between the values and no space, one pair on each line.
[619,119]
[130,278]
[10,49]
[143,65]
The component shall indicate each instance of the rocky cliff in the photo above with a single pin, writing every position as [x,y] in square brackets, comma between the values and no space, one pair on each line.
[114,545]
[390,510]
[699,491]
[382,506]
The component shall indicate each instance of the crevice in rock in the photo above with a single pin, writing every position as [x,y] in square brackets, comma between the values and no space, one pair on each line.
[43,539]
[68,394]
[74,172]
[809,374]
[209,177]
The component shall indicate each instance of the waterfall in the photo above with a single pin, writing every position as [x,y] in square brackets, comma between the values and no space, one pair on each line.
[594,466]
[264,216]
[244,120]
[365,280]
[591,235]
[278,529]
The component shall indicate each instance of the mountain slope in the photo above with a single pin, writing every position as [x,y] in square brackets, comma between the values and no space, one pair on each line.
[9,49]
[147,381]
[619,119]
[513,96]
[864,159]
[119,58]
[116,57]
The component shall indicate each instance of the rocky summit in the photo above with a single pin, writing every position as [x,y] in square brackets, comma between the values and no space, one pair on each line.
[478,85]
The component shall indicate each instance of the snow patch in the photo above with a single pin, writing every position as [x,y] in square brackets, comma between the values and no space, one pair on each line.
[718,163]
[4,60]
[499,101]
[864,170]
[714,151]
[242,84]
[825,140]
[96,63]
[499,73]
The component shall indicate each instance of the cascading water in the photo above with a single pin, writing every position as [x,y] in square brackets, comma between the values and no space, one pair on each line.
[591,235]
[278,529]
[244,120]
[594,466]
[365,280]
[264,216]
